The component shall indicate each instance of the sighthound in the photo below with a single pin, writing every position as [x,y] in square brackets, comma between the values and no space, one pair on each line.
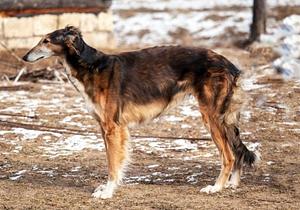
[133,87]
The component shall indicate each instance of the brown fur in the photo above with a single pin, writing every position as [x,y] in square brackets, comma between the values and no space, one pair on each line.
[134,87]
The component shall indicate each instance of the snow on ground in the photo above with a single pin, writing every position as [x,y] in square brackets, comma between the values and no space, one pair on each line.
[71,144]
[192,4]
[161,27]
[156,22]
[49,107]
[285,38]
[17,175]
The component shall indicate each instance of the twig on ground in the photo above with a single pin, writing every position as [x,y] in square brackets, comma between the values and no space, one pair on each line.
[21,72]
[81,132]
[18,115]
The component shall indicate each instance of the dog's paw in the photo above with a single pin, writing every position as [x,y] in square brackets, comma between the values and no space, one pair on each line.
[105,191]
[211,189]
[231,185]
[102,192]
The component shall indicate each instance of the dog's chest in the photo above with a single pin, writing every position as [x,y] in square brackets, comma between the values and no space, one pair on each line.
[87,99]
[92,108]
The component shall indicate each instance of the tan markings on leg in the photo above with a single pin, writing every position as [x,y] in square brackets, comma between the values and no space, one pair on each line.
[227,158]
[116,140]
[215,92]
[227,163]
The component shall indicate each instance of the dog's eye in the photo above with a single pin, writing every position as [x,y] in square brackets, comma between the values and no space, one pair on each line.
[46,41]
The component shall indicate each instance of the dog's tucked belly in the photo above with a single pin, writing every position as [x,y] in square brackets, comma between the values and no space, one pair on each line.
[139,113]
[135,113]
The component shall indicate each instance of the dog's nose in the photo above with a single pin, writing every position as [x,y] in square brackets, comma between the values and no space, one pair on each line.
[25,57]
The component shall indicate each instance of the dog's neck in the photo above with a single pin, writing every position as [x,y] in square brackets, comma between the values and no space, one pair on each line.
[84,59]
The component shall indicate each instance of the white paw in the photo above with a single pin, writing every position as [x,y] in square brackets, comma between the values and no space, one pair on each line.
[102,192]
[211,189]
[105,191]
[231,185]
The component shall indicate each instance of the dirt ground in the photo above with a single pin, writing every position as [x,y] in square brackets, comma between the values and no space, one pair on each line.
[52,155]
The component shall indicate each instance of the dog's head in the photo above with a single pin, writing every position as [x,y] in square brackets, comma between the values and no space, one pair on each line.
[57,43]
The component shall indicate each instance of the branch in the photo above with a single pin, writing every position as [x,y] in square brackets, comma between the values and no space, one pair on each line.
[81,132]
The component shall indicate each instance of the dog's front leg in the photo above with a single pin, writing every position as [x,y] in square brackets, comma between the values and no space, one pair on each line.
[116,140]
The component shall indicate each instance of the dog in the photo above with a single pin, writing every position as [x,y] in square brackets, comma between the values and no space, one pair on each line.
[133,87]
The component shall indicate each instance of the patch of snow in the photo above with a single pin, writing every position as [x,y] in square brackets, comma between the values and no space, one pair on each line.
[153,23]
[145,28]
[4,95]
[189,111]
[194,178]
[49,173]
[248,84]
[246,133]
[14,178]
[207,155]
[296,130]
[287,145]
[285,38]
[270,163]
[172,118]
[75,169]
[246,115]
[192,4]
[69,120]
[17,175]
[290,123]
[71,144]
[27,133]
[289,67]
[173,168]
[153,166]
[185,126]
[131,179]
[69,175]
[182,144]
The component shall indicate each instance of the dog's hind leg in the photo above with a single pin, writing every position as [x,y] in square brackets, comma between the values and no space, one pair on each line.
[232,133]
[241,153]
[116,140]
[213,96]
[216,100]
[227,157]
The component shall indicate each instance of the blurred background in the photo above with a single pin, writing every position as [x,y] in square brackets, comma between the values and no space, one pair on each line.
[51,149]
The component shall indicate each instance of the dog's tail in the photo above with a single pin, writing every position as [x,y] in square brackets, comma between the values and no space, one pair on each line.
[232,115]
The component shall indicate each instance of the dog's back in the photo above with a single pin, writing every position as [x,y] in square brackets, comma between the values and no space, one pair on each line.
[140,85]
[162,72]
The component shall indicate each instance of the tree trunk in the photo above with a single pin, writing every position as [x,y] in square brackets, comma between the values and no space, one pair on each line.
[258,25]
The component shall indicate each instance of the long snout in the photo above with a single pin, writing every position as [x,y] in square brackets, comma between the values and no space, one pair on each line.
[37,53]
[26,57]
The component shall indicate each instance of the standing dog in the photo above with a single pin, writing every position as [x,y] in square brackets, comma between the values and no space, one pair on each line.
[133,87]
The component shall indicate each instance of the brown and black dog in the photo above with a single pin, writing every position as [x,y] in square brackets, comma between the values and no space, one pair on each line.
[133,87]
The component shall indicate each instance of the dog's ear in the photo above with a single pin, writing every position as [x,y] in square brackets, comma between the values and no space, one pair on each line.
[72,39]
[71,44]
[71,30]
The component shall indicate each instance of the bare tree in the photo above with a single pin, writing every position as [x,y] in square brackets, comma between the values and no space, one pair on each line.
[259,18]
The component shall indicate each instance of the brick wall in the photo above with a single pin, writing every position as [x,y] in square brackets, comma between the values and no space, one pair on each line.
[25,32]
